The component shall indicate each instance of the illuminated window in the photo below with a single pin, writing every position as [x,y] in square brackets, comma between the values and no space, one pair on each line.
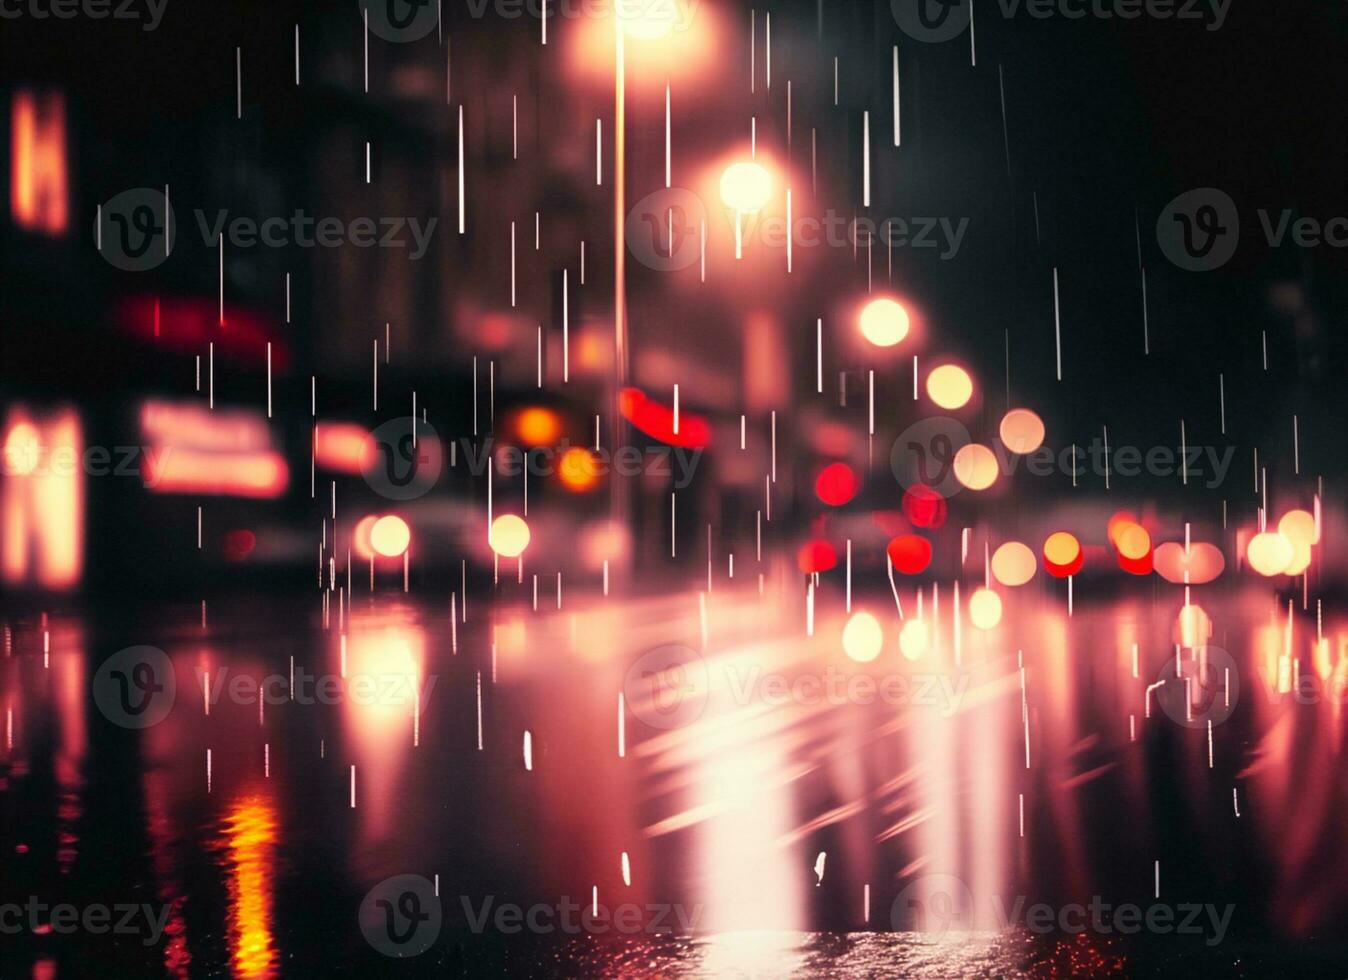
[39,194]
[42,500]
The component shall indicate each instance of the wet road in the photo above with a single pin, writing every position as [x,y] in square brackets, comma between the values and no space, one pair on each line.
[684,784]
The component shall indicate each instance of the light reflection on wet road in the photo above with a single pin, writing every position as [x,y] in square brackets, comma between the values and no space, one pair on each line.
[740,759]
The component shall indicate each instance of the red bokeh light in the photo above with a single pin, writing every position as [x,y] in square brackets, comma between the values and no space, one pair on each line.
[910,554]
[1137,566]
[836,484]
[657,421]
[924,507]
[817,556]
[239,544]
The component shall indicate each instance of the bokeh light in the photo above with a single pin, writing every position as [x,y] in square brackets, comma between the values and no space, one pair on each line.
[1022,431]
[239,544]
[1013,564]
[884,322]
[1133,541]
[1200,564]
[390,536]
[950,387]
[924,507]
[509,536]
[836,484]
[862,637]
[816,556]
[1299,526]
[648,20]
[1301,559]
[23,448]
[910,554]
[1117,522]
[1270,553]
[538,426]
[746,187]
[985,609]
[976,466]
[1063,555]
[914,639]
[578,469]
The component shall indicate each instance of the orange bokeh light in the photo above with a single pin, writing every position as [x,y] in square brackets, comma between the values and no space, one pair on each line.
[950,387]
[39,198]
[538,427]
[1013,564]
[261,475]
[1133,542]
[343,447]
[1199,565]
[976,466]
[1063,555]
[578,470]
[1022,431]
